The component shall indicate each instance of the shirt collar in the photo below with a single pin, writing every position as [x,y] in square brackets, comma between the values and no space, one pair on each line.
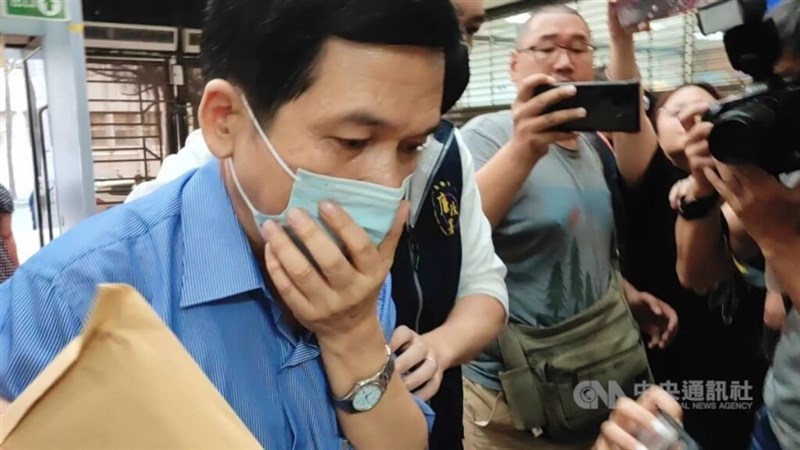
[218,261]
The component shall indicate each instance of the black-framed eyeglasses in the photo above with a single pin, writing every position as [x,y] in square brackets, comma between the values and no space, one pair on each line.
[549,52]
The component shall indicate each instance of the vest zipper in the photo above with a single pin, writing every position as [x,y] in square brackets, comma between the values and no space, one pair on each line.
[421,300]
[434,170]
[414,255]
[412,247]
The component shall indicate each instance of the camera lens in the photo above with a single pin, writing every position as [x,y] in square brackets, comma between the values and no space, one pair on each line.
[740,133]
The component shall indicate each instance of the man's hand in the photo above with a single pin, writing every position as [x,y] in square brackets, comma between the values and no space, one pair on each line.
[532,135]
[655,317]
[339,298]
[417,364]
[616,30]
[696,148]
[768,210]
[630,419]
[683,188]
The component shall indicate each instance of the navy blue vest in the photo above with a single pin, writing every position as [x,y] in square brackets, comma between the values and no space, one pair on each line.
[426,274]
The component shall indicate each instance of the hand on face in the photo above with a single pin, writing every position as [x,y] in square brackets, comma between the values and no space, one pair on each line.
[632,418]
[341,296]
[417,364]
[768,210]
[532,135]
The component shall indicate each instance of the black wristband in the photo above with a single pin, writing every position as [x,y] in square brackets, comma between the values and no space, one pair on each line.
[698,208]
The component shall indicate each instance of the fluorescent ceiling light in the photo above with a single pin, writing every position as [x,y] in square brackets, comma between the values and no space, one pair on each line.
[518,18]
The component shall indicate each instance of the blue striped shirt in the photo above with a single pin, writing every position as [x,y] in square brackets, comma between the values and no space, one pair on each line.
[184,250]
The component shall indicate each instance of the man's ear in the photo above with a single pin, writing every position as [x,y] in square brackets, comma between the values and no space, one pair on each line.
[221,114]
[512,66]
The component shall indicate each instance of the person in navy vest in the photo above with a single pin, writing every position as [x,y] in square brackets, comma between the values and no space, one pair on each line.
[271,262]
[448,283]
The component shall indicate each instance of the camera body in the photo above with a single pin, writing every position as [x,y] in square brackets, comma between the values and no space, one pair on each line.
[759,127]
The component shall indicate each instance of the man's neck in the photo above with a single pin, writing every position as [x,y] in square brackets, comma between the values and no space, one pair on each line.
[245,218]
[570,144]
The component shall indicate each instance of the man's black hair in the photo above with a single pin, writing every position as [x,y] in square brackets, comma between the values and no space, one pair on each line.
[269,48]
[548,8]
[787,19]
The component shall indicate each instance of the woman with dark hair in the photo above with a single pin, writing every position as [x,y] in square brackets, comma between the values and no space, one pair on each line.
[717,345]
[8,247]
[664,116]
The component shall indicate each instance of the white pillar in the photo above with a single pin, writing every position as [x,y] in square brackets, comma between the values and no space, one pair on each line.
[68,109]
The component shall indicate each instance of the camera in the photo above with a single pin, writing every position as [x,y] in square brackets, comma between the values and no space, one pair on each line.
[760,126]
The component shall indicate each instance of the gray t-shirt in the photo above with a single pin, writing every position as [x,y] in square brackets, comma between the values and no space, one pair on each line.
[555,240]
[782,387]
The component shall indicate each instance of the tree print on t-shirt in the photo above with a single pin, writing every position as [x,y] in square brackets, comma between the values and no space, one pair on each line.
[575,278]
[578,287]
[555,294]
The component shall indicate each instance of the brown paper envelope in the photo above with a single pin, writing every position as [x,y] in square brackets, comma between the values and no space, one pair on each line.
[126,382]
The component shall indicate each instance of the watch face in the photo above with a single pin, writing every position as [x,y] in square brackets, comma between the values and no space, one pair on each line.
[367,397]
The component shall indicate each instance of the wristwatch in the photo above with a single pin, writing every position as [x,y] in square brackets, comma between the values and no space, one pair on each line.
[366,394]
[698,208]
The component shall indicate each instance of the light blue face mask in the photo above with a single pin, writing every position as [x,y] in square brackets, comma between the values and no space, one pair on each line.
[372,206]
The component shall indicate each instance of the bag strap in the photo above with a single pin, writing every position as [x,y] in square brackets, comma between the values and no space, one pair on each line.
[611,175]
[525,415]
[513,356]
[617,274]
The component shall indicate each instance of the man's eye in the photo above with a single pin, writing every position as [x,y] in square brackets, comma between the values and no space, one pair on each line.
[353,144]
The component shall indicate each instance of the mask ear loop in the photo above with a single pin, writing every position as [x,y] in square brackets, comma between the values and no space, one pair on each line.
[264,138]
[239,186]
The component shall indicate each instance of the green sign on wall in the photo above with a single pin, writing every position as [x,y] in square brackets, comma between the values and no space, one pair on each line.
[36,9]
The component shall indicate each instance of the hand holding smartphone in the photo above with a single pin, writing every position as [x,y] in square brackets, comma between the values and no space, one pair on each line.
[634,12]
[610,106]
[669,436]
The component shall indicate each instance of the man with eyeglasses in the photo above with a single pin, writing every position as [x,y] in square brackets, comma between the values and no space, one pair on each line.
[548,197]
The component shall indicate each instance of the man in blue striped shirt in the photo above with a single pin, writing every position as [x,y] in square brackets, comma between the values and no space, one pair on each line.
[271,266]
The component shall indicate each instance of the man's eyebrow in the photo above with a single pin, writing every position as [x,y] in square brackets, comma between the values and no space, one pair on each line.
[573,37]
[367,119]
[548,37]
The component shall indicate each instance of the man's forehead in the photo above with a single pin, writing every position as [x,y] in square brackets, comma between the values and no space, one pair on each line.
[556,25]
